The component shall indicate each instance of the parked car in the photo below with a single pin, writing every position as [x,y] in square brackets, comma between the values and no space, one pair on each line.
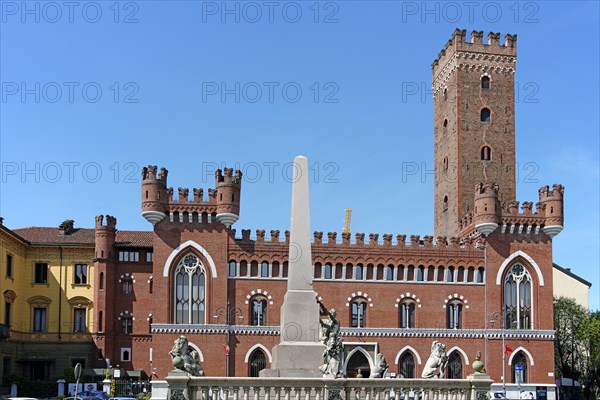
[92,394]
[122,398]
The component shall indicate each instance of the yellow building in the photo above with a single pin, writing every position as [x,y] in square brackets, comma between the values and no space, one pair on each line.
[567,284]
[46,279]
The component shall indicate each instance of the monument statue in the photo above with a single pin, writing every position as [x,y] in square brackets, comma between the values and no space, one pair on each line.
[333,355]
[381,366]
[185,358]
[436,364]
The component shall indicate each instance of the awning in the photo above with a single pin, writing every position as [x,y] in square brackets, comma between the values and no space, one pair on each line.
[137,373]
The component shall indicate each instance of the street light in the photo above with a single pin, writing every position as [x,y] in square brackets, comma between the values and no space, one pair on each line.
[227,312]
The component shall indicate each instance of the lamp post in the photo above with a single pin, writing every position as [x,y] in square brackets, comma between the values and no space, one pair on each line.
[227,311]
[502,316]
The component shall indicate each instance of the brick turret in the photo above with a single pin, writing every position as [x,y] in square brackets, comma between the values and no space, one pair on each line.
[228,187]
[553,207]
[154,194]
[487,209]
[105,237]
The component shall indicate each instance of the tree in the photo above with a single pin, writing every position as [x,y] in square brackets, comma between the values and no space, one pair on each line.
[577,344]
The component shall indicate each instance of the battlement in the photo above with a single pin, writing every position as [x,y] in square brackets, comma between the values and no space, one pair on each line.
[459,43]
[489,214]
[111,222]
[149,173]
[441,243]
[227,176]
[222,204]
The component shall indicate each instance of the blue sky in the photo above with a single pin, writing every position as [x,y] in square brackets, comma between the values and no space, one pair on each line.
[93,91]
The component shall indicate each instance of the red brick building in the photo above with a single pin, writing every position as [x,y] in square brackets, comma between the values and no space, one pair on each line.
[487,273]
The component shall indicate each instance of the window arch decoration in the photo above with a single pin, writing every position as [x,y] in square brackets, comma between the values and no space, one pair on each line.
[485,81]
[189,291]
[411,349]
[258,310]
[456,296]
[258,346]
[126,319]
[9,296]
[455,306]
[366,354]
[455,367]
[360,294]
[485,115]
[509,261]
[406,296]
[406,366]
[521,349]
[259,292]
[519,359]
[184,246]
[126,280]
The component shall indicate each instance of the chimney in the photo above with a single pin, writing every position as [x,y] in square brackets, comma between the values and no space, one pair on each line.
[66,227]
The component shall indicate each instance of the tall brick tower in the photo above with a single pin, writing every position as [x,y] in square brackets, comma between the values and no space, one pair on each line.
[474,123]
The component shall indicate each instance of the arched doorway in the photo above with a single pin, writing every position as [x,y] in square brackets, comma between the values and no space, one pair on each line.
[358,360]
[455,368]
[258,362]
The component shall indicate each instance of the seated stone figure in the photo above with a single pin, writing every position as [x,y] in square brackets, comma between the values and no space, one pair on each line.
[436,364]
[185,358]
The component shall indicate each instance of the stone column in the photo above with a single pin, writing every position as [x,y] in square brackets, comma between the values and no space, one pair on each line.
[299,353]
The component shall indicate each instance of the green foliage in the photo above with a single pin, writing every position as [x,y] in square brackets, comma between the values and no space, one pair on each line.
[143,396]
[69,375]
[577,344]
[13,378]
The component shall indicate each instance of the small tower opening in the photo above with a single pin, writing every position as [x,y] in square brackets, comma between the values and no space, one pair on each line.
[485,82]
[486,153]
[486,115]
[445,94]
[445,126]
[445,204]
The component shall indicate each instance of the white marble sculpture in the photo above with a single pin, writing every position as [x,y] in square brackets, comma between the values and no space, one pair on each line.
[436,364]
[381,366]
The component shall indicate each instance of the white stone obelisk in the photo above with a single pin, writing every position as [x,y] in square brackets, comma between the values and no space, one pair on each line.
[299,353]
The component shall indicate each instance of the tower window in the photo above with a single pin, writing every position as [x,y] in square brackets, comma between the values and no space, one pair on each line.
[445,163]
[485,82]
[486,115]
[445,94]
[445,205]
[445,127]
[486,153]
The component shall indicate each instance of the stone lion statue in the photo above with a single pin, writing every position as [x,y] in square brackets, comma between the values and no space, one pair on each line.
[381,366]
[185,358]
[436,364]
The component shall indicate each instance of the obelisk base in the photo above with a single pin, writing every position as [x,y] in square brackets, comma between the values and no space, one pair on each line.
[300,353]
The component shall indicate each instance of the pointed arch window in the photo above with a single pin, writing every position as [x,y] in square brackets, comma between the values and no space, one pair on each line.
[258,311]
[258,362]
[407,366]
[327,271]
[190,291]
[358,308]
[519,368]
[517,298]
[407,314]
[455,367]
[389,273]
[358,272]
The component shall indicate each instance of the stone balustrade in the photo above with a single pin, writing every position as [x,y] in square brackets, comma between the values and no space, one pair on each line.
[183,387]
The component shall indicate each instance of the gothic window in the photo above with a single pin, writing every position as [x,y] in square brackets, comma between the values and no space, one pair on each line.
[407,314]
[485,82]
[445,126]
[327,271]
[101,283]
[258,362]
[454,368]
[232,268]
[519,368]
[454,314]
[486,153]
[264,269]
[485,115]
[358,309]
[407,366]
[258,311]
[517,298]
[190,281]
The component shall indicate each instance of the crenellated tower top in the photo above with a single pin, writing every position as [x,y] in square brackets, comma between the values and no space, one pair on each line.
[222,204]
